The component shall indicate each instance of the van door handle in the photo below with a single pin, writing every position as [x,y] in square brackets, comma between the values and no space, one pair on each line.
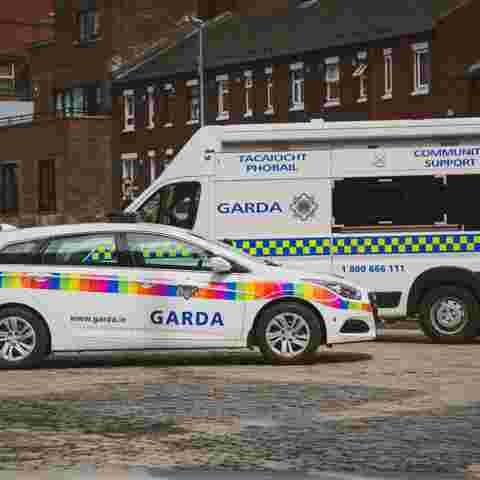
[40,277]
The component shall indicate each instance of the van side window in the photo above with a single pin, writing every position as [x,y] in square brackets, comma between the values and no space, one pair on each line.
[20,253]
[408,200]
[175,204]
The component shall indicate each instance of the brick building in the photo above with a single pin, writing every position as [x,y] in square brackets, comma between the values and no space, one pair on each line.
[116,90]
[338,60]
[21,23]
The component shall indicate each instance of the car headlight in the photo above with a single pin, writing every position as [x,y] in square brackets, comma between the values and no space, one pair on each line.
[346,291]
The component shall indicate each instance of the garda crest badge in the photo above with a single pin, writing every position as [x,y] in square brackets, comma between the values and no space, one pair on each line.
[303,206]
[186,291]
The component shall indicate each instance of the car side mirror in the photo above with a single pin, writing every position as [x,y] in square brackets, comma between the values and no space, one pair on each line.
[218,265]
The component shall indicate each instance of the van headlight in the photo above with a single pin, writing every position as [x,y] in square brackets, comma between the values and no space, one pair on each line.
[344,290]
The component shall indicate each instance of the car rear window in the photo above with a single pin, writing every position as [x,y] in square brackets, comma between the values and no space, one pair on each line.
[19,253]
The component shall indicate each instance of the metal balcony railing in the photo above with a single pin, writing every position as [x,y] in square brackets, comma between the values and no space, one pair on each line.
[8,121]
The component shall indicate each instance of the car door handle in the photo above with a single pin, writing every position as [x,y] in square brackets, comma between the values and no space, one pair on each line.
[40,277]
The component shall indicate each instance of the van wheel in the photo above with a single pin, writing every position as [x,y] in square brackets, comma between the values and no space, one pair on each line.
[289,333]
[23,338]
[449,313]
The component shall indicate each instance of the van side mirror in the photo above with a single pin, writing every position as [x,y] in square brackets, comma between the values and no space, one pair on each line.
[218,265]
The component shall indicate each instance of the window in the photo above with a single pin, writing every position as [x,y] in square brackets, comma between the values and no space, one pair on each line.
[152,167]
[46,186]
[421,71]
[361,73]
[169,90]
[332,82]
[297,79]
[89,25]
[388,65]
[248,93]
[151,107]
[130,176]
[223,91]
[155,251]
[129,110]
[193,101]
[86,250]
[175,204]
[7,79]
[8,187]
[20,253]
[269,74]
[390,201]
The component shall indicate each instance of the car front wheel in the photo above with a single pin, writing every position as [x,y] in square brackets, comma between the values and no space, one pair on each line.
[289,333]
[23,338]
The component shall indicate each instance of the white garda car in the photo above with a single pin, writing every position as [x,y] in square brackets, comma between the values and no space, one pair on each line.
[141,286]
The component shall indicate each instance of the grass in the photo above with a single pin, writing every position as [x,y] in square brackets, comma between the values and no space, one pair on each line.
[228,449]
[64,416]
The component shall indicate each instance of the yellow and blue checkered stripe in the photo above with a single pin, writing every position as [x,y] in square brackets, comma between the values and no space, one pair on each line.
[361,245]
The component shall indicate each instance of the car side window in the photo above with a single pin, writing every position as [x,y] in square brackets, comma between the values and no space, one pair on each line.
[19,253]
[86,250]
[175,204]
[155,251]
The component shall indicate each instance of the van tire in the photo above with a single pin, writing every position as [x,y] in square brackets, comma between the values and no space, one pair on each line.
[283,325]
[449,314]
[29,329]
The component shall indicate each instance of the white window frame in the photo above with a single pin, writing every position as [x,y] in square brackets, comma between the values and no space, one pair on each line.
[297,87]
[223,89]
[152,154]
[151,107]
[270,108]
[193,120]
[388,73]
[419,88]
[329,101]
[129,95]
[11,76]
[168,87]
[128,170]
[248,74]
[361,72]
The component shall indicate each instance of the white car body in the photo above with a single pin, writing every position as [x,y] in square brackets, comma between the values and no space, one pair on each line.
[91,307]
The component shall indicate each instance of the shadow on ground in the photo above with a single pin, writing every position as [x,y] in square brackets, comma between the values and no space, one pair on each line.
[185,359]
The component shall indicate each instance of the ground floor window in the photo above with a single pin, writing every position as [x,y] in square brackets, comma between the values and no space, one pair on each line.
[8,187]
[46,183]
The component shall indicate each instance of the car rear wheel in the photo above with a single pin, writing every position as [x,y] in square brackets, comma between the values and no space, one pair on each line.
[23,338]
[289,333]
[449,313]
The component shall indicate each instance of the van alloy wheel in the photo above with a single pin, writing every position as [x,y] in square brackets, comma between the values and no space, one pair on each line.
[448,316]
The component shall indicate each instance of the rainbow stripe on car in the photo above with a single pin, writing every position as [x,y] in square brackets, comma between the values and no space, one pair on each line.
[229,291]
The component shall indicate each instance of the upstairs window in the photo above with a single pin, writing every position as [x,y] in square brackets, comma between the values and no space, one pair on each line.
[7,79]
[388,67]
[269,73]
[332,82]
[169,91]
[151,107]
[361,73]
[248,93]
[129,110]
[193,101]
[223,94]
[89,24]
[297,80]
[421,70]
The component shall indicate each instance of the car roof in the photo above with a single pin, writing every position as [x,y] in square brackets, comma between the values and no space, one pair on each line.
[33,233]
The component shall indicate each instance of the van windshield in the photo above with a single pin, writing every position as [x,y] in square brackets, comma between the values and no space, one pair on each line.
[175,204]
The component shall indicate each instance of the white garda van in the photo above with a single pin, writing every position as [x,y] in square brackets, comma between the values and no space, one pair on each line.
[390,205]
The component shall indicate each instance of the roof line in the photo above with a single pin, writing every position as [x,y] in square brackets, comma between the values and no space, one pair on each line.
[175,44]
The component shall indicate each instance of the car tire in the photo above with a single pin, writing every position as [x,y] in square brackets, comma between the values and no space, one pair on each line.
[449,314]
[289,333]
[23,338]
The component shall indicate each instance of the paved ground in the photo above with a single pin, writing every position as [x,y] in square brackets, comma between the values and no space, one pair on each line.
[401,405]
